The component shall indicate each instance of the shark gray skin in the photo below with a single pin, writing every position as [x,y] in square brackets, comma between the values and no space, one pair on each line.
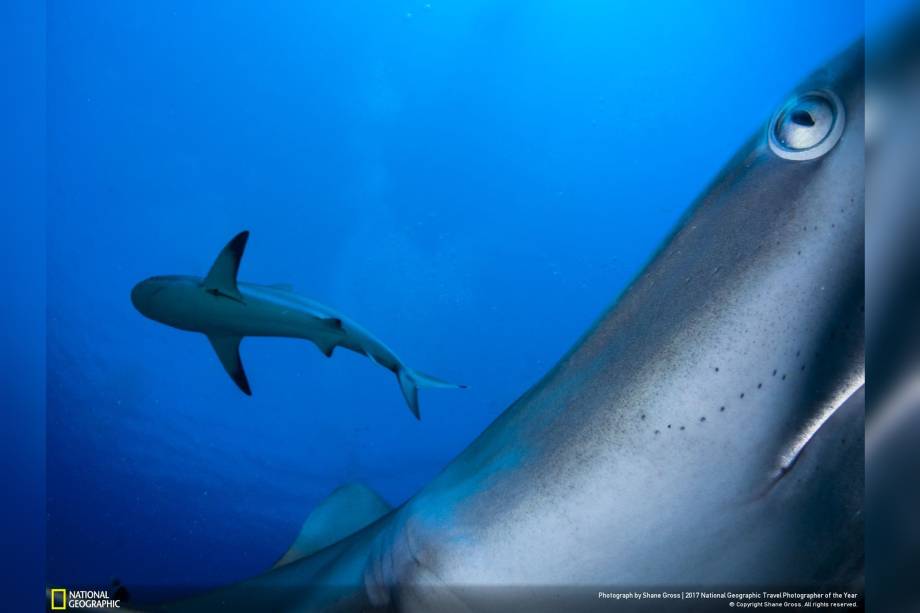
[706,432]
[227,311]
[892,326]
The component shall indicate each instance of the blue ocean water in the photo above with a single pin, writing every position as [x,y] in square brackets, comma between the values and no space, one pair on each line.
[474,182]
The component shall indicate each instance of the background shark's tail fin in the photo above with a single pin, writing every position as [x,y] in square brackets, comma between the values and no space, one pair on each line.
[409,382]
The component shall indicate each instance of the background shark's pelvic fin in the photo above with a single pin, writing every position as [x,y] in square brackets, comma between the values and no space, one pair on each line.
[326,346]
[221,279]
[228,351]
[345,511]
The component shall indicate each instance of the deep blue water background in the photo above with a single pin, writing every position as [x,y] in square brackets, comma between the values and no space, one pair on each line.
[474,181]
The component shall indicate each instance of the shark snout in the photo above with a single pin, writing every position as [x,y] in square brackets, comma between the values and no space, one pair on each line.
[137,295]
[142,295]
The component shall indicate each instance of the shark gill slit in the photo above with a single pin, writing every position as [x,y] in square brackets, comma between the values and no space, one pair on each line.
[800,443]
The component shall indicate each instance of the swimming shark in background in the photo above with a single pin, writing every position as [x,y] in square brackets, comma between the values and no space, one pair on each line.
[226,311]
[706,432]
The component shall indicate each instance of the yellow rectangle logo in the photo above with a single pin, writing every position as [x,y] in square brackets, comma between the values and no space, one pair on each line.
[58,599]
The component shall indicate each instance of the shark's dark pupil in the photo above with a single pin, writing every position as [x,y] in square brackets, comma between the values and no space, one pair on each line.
[802,129]
[803,118]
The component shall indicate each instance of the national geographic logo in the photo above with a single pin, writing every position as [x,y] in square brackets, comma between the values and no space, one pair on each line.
[63,599]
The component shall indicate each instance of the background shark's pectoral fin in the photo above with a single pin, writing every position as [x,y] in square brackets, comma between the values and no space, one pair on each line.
[228,351]
[221,279]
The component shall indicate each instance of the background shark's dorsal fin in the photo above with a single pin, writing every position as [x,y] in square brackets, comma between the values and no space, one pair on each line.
[227,349]
[221,279]
[345,511]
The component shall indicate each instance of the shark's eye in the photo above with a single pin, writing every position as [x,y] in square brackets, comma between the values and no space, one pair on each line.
[808,126]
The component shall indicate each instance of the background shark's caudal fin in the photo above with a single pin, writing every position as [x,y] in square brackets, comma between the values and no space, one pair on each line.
[409,382]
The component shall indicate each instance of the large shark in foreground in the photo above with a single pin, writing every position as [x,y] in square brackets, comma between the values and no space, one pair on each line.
[707,432]
[892,325]
[227,311]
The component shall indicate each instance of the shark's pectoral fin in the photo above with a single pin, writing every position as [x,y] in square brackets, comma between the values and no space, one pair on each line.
[228,351]
[221,279]
[344,512]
